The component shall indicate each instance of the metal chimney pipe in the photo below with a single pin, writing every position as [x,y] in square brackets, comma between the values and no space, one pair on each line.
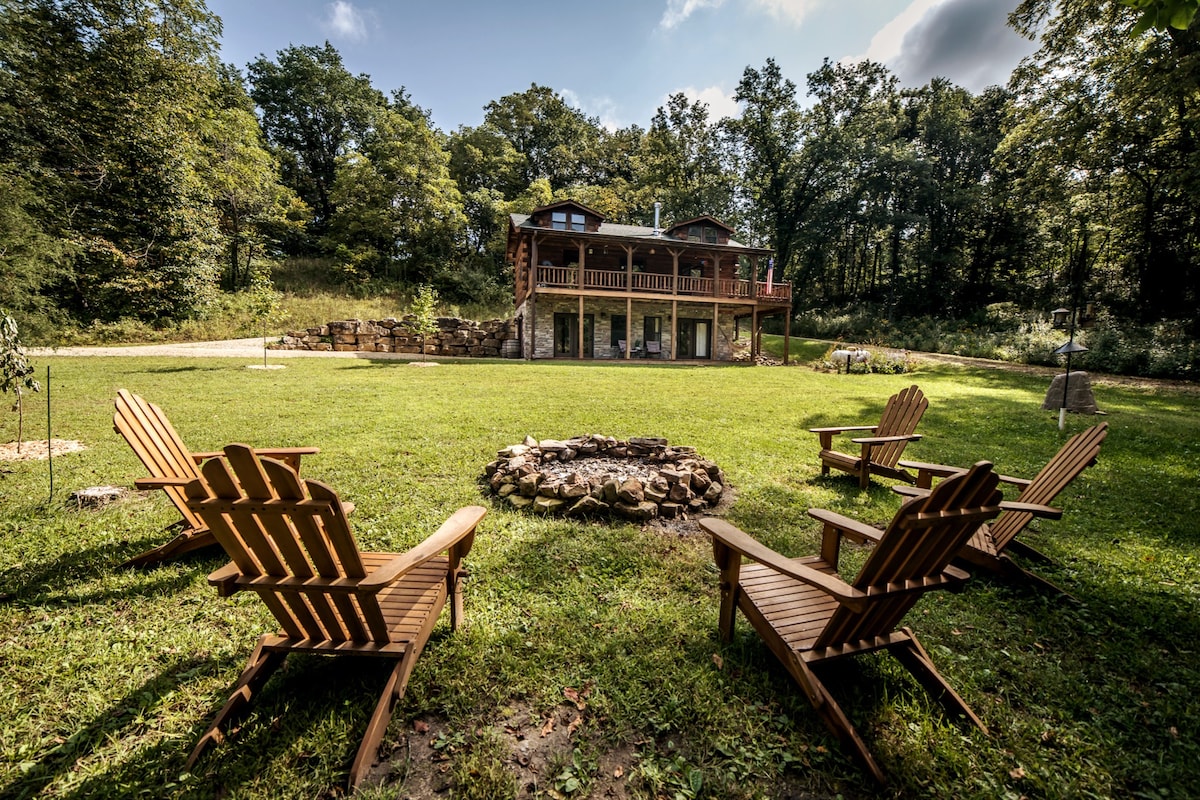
[657,208]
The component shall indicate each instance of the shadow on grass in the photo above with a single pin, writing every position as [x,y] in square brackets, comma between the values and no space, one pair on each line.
[173,370]
[112,723]
[56,582]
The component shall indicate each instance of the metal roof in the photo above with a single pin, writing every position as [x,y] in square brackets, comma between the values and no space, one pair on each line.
[613,231]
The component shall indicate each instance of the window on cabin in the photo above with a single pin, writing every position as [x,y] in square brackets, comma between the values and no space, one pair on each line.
[567,221]
[693,233]
[710,235]
[618,330]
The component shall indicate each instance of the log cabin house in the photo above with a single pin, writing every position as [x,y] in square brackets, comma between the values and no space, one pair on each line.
[587,289]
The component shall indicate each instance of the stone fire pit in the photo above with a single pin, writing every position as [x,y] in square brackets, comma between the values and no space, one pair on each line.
[639,479]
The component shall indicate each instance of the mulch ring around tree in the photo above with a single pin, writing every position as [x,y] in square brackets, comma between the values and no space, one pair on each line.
[38,450]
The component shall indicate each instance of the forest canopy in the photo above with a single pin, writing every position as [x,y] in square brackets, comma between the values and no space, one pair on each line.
[140,176]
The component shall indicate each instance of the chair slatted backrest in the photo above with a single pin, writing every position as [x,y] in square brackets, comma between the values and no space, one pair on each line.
[160,449]
[901,416]
[912,553]
[1080,451]
[277,528]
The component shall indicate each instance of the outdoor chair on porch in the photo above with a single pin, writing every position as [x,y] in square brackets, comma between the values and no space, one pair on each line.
[653,348]
[290,542]
[154,440]
[992,541]
[880,452]
[809,616]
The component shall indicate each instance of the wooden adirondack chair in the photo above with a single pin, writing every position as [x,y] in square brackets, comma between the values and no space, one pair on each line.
[291,543]
[164,454]
[881,451]
[808,615]
[989,547]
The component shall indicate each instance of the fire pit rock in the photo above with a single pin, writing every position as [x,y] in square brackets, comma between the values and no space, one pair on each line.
[639,479]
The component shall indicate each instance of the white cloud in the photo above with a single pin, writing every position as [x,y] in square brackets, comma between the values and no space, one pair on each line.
[720,102]
[966,41]
[602,108]
[345,21]
[793,11]
[886,44]
[679,10]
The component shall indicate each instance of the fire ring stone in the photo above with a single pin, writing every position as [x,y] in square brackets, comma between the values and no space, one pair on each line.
[639,479]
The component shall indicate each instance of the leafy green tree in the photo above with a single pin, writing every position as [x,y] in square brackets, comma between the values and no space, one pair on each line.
[557,142]
[1107,130]
[424,311]
[30,258]
[1163,14]
[257,214]
[101,99]
[16,373]
[398,210]
[313,112]
[686,164]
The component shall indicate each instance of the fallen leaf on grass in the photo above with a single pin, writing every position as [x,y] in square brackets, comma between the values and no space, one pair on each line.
[720,662]
[618,772]
[574,725]
[548,727]
[420,726]
[1017,774]
[574,697]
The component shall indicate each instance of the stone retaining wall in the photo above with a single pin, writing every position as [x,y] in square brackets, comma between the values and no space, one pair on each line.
[455,337]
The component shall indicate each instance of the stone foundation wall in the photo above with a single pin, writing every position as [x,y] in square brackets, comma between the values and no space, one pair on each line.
[455,337]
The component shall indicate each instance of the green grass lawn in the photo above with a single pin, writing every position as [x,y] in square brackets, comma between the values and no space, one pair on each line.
[108,675]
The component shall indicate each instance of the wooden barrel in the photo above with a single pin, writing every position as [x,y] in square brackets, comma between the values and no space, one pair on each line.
[510,348]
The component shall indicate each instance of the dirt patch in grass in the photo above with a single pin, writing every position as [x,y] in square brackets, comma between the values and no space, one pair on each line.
[38,450]
[536,749]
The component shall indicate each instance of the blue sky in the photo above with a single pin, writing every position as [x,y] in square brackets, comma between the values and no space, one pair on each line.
[619,60]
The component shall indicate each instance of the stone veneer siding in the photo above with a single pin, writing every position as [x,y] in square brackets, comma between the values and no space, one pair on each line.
[455,337]
[541,340]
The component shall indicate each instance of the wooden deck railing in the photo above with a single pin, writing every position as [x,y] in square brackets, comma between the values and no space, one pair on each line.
[657,283]
[567,277]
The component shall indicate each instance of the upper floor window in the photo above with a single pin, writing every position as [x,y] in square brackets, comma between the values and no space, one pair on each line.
[567,221]
[702,233]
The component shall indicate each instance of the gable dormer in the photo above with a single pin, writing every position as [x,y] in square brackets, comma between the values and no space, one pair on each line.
[701,230]
[567,215]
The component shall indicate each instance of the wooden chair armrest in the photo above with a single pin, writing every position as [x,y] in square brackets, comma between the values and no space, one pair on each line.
[826,434]
[850,528]
[225,579]
[199,457]
[912,437]
[1037,509]
[940,470]
[161,483]
[1021,482]
[458,527]
[844,428]
[743,543]
[905,490]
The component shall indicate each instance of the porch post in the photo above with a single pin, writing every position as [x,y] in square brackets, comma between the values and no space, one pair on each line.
[674,329]
[579,277]
[787,334]
[629,323]
[712,346]
[753,333]
[580,347]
